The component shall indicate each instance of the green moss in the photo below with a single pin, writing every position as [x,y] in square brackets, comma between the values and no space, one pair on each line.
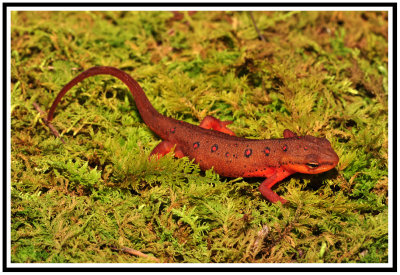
[318,73]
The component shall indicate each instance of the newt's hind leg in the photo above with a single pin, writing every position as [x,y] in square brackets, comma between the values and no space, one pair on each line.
[210,122]
[164,147]
[289,134]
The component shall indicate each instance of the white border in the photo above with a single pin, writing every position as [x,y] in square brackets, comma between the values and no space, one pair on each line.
[198,8]
[214,265]
[391,155]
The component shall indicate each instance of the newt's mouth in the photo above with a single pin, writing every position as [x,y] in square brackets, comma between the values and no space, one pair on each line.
[316,165]
[311,167]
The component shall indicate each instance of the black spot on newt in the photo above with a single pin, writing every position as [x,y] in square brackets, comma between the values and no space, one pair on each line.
[247,153]
[214,148]
[285,148]
[267,151]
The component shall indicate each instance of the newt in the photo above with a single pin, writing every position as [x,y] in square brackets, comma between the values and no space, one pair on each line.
[213,145]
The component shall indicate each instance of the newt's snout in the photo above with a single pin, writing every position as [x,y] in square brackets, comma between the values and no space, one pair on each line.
[316,157]
[318,163]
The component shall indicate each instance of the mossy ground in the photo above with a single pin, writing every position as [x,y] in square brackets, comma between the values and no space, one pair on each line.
[318,73]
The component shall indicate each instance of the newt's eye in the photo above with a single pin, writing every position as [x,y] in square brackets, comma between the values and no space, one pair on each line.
[312,165]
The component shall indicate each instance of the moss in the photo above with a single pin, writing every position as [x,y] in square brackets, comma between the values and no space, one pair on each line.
[318,73]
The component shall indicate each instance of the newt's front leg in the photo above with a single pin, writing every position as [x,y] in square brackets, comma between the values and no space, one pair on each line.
[266,185]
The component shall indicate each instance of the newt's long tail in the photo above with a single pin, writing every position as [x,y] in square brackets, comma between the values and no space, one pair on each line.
[147,111]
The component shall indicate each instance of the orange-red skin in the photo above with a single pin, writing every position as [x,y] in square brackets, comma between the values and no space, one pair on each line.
[213,145]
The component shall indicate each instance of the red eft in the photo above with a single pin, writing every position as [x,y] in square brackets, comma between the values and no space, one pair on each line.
[213,145]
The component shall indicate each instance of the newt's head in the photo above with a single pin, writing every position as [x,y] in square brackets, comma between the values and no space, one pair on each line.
[311,155]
